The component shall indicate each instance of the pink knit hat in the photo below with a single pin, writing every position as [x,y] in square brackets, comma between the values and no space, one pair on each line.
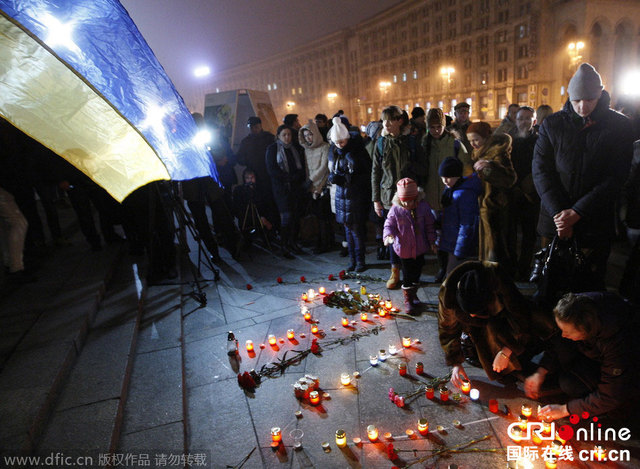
[407,189]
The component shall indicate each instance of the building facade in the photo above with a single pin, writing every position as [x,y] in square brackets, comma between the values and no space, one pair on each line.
[436,53]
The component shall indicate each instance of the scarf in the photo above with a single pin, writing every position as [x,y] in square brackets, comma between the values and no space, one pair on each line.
[281,156]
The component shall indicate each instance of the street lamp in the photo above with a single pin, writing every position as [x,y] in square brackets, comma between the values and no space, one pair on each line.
[201,71]
[290,105]
[446,73]
[332,97]
[575,52]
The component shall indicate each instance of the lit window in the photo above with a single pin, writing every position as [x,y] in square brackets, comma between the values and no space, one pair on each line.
[275,87]
[293,91]
[415,74]
[395,78]
[440,103]
[299,90]
[428,105]
[404,77]
[269,87]
[369,110]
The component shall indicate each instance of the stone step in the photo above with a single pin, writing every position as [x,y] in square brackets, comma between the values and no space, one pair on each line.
[88,413]
[153,420]
[48,324]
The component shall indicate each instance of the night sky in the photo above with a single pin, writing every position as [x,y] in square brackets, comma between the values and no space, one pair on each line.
[185,34]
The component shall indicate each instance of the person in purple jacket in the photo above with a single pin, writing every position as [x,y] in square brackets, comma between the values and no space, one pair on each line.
[410,227]
[460,213]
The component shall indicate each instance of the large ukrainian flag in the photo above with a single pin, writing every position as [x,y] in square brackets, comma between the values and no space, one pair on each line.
[78,76]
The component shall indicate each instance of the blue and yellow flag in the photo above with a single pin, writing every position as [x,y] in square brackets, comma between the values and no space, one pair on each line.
[78,76]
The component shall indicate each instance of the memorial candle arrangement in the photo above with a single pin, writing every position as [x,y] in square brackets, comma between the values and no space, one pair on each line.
[372,433]
[341,438]
[276,435]
[314,398]
[249,345]
[290,334]
[272,339]
[406,342]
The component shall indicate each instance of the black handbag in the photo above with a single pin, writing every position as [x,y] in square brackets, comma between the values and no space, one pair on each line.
[559,268]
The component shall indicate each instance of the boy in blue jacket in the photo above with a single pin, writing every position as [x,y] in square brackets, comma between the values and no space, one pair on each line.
[460,214]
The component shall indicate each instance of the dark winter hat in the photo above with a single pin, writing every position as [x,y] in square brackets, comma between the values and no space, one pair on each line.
[373,129]
[474,292]
[462,105]
[290,119]
[450,167]
[253,120]
[417,112]
[586,83]
[435,116]
[481,128]
[407,189]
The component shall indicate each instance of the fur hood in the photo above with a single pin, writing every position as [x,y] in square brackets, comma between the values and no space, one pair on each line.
[317,136]
[497,145]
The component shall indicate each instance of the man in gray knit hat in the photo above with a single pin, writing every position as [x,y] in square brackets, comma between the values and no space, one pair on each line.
[580,163]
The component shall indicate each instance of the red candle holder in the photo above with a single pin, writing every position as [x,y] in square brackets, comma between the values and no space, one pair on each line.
[430,393]
[493,406]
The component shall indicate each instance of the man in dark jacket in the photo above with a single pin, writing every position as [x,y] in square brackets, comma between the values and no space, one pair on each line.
[595,356]
[480,299]
[580,163]
[524,206]
[251,154]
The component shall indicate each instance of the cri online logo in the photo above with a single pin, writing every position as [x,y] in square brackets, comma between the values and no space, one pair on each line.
[594,432]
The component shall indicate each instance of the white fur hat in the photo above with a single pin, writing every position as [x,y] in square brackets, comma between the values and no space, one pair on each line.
[338,131]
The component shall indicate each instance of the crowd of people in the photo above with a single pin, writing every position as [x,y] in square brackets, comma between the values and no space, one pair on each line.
[482,200]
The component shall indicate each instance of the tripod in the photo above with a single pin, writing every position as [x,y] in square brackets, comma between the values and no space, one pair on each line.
[253,220]
[174,209]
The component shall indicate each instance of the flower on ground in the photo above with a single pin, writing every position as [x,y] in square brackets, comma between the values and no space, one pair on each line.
[392,394]
[330,277]
[279,279]
[302,279]
[249,286]
[342,274]
[391,452]
[315,348]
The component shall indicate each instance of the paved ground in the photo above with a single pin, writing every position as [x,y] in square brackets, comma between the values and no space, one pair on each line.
[95,362]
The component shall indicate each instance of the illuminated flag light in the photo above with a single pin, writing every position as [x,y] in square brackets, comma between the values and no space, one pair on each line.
[108,109]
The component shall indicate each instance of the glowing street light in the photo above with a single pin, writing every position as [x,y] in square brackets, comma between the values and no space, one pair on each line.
[201,71]
[290,104]
[446,73]
[629,83]
[332,97]
[384,86]
[575,52]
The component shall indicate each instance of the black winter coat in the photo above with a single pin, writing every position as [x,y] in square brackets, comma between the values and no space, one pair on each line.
[350,171]
[288,187]
[583,167]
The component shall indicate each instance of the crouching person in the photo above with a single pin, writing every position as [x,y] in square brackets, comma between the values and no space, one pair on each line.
[595,355]
[480,299]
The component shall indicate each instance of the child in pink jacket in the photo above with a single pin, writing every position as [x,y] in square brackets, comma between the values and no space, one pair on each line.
[410,228]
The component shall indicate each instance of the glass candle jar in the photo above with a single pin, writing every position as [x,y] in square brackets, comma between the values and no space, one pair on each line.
[402,368]
[406,341]
[345,322]
[382,355]
[423,426]
[272,339]
[314,397]
[444,394]
[291,334]
[314,329]
[372,433]
[392,349]
[249,345]
[525,410]
[322,290]
[341,438]
[382,312]
[466,386]
[276,434]
[363,289]
[345,379]
[364,316]
[373,360]
[430,392]
[419,368]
